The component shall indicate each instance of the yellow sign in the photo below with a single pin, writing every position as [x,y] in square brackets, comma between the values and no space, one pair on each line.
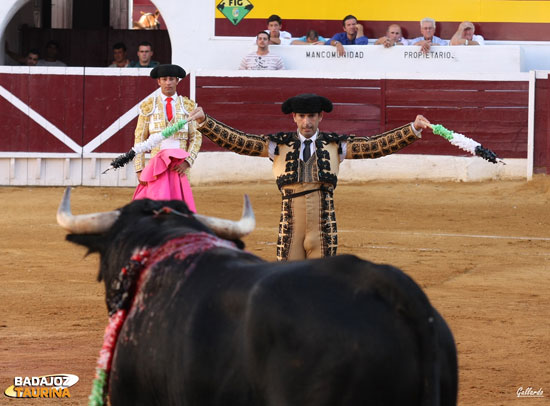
[478,11]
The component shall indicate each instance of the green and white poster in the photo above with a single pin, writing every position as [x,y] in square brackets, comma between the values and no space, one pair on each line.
[235,10]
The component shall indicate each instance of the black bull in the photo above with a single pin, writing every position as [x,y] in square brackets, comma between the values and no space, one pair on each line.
[223,327]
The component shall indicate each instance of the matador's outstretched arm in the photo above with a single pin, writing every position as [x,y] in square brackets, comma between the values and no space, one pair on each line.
[382,144]
[232,139]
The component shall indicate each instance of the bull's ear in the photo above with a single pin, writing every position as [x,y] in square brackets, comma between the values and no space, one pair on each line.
[94,242]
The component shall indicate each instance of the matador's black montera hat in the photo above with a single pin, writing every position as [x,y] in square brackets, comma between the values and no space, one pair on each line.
[307,103]
[167,70]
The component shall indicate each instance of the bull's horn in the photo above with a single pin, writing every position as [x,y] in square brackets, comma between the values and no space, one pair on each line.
[94,223]
[231,230]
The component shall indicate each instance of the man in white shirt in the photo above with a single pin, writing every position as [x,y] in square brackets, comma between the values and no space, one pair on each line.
[306,164]
[464,35]
[394,36]
[276,36]
[262,59]
[52,53]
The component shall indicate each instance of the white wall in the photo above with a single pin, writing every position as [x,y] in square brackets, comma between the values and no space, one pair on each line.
[226,167]
[194,46]
[361,58]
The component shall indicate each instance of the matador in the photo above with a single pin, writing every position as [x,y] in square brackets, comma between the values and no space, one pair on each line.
[305,165]
[165,176]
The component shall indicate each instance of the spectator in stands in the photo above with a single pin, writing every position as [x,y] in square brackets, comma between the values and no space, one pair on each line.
[428,39]
[394,36]
[276,36]
[353,35]
[52,54]
[120,58]
[465,35]
[262,59]
[311,38]
[31,59]
[145,55]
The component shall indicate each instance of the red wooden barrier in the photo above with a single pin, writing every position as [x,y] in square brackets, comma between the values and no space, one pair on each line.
[254,104]
[58,98]
[492,113]
[83,106]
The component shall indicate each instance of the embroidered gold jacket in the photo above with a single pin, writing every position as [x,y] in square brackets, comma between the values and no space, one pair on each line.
[152,120]
[288,168]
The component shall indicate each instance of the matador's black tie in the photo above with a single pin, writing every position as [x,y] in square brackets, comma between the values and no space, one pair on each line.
[307,150]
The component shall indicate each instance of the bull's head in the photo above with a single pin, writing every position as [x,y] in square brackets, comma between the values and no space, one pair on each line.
[98,223]
[142,224]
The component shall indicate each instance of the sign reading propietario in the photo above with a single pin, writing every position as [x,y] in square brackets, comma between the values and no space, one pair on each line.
[235,10]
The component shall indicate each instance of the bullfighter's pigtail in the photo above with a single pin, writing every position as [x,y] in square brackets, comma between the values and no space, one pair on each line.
[146,145]
[466,144]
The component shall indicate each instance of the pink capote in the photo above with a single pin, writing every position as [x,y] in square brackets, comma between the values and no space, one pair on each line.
[163,183]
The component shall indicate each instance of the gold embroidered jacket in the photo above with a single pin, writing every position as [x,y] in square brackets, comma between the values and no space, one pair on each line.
[152,120]
[288,168]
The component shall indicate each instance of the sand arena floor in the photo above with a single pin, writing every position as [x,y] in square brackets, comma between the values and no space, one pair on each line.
[480,250]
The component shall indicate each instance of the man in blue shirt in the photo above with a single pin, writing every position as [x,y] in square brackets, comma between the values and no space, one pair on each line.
[311,38]
[427,39]
[352,35]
